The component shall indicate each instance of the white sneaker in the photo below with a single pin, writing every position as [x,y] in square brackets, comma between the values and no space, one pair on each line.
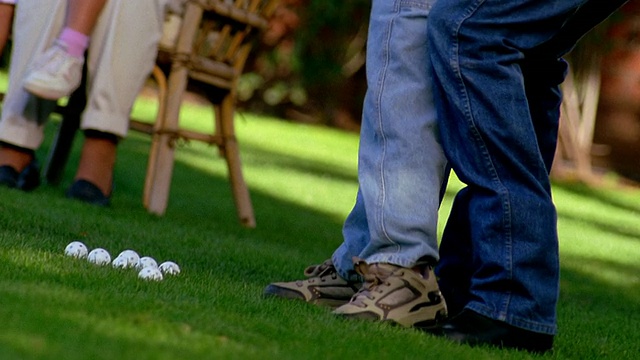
[55,74]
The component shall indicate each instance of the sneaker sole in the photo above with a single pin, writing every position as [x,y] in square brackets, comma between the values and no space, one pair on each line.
[434,319]
[424,315]
[273,291]
[43,92]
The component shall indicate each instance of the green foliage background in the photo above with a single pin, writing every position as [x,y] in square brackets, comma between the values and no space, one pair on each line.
[301,72]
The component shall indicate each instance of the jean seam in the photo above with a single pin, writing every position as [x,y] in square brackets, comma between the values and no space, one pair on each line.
[477,138]
[381,83]
[416,4]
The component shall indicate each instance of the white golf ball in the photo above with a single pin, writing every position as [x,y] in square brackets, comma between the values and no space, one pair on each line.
[169,268]
[99,256]
[150,273]
[76,249]
[121,262]
[131,257]
[146,261]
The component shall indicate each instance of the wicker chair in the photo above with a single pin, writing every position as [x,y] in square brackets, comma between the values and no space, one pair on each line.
[211,46]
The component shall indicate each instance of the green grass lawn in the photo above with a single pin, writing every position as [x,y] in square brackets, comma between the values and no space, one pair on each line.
[303,182]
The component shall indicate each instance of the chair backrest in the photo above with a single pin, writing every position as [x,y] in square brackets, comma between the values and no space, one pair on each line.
[215,38]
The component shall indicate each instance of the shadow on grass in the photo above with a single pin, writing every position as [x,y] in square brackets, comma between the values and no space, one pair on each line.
[226,265]
[602,225]
[226,268]
[207,198]
[201,216]
[75,316]
[305,165]
[596,317]
[598,195]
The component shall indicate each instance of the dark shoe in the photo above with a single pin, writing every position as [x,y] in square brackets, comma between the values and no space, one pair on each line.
[323,286]
[29,178]
[84,190]
[26,180]
[474,329]
[8,176]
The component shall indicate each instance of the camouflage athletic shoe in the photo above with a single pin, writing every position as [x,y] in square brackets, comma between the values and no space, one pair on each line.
[323,287]
[396,294]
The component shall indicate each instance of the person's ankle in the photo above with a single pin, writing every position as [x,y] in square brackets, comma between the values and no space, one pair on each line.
[97,163]
[16,157]
[75,41]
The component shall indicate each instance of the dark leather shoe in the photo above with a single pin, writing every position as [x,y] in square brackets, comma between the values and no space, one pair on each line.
[8,176]
[26,180]
[473,329]
[29,178]
[84,190]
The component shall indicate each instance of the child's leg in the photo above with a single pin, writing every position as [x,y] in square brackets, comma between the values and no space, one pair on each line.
[59,70]
[82,16]
[6,19]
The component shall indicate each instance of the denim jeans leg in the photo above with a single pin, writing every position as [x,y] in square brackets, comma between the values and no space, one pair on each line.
[542,79]
[401,164]
[355,232]
[454,269]
[502,150]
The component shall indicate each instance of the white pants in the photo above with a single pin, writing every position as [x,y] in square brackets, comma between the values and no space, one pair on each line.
[122,54]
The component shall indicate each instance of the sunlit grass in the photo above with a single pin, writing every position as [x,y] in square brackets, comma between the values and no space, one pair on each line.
[303,181]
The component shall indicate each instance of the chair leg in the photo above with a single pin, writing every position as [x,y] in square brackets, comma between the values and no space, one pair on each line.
[161,158]
[160,168]
[231,153]
[161,80]
[159,172]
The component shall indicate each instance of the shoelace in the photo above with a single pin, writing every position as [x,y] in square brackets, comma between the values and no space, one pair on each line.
[54,63]
[373,280]
[57,62]
[320,271]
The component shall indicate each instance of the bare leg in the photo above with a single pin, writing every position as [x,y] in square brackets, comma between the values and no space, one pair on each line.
[6,19]
[15,158]
[82,15]
[52,81]
[96,163]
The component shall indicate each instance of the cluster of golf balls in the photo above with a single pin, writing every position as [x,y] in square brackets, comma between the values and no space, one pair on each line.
[147,267]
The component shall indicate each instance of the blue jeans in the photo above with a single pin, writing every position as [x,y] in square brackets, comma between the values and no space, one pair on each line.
[401,164]
[497,71]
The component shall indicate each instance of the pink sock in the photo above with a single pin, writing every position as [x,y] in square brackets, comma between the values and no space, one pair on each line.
[75,41]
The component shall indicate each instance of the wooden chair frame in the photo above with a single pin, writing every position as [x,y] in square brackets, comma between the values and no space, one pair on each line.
[212,46]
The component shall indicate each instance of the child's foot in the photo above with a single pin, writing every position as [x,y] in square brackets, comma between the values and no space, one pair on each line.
[323,286]
[397,295]
[55,74]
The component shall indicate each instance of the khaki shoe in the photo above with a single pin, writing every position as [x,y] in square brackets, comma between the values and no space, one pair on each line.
[396,294]
[323,287]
